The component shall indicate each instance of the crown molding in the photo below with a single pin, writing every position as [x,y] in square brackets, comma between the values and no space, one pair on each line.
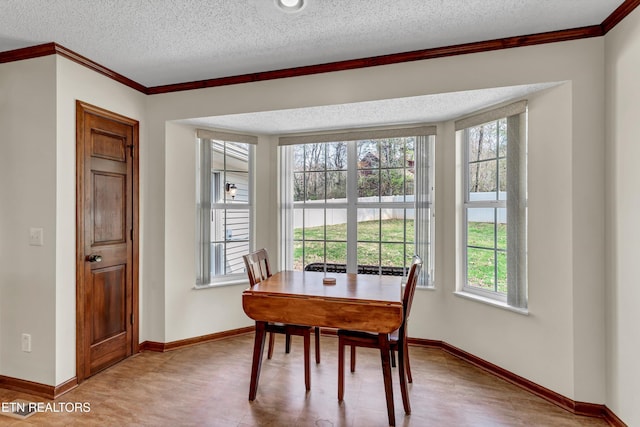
[82,60]
[47,49]
[396,58]
[462,49]
[619,14]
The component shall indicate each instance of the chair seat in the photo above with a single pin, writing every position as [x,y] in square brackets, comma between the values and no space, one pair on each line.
[395,341]
[257,266]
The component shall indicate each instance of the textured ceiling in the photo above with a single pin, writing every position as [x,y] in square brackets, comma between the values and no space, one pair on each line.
[160,42]
[417,109]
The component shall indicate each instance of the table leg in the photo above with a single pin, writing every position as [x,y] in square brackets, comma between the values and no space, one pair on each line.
[385,350]
[258,348]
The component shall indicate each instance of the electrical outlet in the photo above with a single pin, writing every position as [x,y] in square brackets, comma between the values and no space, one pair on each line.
[26,343]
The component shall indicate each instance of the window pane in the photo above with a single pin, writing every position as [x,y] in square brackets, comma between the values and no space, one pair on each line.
[482,142]
[315,186]
[409,185]
[368,185]
[393,225]
[368,157]
[234,252]
[410,151]
[392,184]
[298,224]
[314,157]
[410,251]
[502,179]
[481,227]
[482,179]
[236,187]
[502,228]
[368,253]
[298,187]
[236,157]
[337,253]
[502,137]
[392,254]
[298,260]
[237,224]
[298,158]
[314,224]
[369,225]
[313,253]
[502,272]
[410,225]
[481,268]
[336,224]
[391,152]
[336,186]
[336,156]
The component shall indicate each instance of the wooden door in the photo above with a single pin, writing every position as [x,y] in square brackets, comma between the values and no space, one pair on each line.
[107,249]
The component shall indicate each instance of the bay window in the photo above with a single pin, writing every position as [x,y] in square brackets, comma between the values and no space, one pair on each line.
[358,201]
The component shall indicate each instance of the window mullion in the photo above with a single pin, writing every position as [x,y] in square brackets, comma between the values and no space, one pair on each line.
[352,207]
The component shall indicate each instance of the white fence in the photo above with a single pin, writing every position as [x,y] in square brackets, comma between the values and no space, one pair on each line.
[316,217]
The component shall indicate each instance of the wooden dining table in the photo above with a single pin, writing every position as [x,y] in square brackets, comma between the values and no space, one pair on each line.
[361,302]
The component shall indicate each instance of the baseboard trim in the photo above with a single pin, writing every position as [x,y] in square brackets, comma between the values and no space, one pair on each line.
[174,345]
[577,408]
[612,418]
[37,389]
[65,387]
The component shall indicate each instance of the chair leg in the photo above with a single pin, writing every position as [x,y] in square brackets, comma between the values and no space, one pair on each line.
[408,365]
[287,343]
[353,358]
[340,369]
[383,341]
[307,369]
[393,358]
[272,338]
[317,332]
[402,359]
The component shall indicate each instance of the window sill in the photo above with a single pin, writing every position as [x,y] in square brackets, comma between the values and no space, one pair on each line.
[235,282]
[492,302]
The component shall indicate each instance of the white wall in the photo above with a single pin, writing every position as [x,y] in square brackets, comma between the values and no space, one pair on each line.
[76,82]
[623,225]
[563,335]
[538,346]
[27,199]
[37,182]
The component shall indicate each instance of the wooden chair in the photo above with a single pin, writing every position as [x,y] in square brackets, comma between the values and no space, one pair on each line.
[257,265]
[397,341]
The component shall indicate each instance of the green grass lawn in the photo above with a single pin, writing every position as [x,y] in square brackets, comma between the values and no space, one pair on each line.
[481,259]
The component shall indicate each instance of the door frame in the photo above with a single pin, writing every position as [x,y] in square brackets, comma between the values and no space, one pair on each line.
[81,109]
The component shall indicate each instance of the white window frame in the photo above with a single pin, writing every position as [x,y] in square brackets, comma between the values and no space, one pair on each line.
[425,139]
[515,204]
[205,206]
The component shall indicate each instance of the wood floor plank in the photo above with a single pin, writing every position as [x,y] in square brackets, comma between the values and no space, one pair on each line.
[207,385]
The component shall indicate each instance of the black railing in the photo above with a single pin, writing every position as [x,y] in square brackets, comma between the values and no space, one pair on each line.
[362,269]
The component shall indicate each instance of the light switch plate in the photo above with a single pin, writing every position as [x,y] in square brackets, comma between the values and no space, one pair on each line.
[36,236]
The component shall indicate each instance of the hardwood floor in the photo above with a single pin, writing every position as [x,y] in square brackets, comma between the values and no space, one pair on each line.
[208,385]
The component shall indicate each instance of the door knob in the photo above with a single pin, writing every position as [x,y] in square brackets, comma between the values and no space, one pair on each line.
[94,258]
